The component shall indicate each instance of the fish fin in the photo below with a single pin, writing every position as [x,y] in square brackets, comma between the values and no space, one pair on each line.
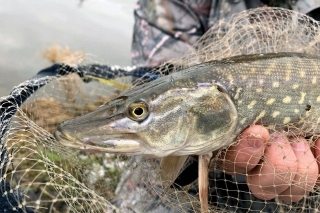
[170,168]
[203,181]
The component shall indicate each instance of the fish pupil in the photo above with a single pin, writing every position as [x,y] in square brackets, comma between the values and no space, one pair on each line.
[138,111]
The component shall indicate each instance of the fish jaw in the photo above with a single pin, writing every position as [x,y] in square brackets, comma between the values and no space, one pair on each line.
[114,137]
[115,144]
[104,132]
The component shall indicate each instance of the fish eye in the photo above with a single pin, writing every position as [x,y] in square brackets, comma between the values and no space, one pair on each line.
[137,111]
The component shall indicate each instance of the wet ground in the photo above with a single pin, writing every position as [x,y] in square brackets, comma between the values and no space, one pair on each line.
[100,28]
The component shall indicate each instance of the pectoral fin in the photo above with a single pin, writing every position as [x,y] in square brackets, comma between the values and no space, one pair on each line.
[203,181]
[170,168]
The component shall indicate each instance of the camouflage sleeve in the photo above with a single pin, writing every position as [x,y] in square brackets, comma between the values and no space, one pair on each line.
[166,29]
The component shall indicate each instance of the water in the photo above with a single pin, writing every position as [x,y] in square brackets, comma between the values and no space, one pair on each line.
[100,28]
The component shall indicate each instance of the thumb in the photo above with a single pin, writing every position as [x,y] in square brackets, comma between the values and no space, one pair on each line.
[247,152]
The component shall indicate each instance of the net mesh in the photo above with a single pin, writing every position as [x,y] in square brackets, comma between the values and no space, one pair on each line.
[38,174]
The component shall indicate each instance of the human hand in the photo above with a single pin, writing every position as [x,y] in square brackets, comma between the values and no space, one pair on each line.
[274,165]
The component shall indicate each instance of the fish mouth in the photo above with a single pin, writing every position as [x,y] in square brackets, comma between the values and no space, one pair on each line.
[114,143]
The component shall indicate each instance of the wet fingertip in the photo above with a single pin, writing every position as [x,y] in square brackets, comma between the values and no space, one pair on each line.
[257,131]
[299,146]
[255,141]
[254,137]
[278,138]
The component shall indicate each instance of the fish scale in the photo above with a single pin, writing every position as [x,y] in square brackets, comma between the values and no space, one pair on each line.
[205,107]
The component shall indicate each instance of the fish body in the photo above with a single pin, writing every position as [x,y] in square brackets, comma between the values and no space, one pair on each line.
[204,107]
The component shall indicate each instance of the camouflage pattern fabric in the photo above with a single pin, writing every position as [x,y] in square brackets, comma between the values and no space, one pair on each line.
[166,29]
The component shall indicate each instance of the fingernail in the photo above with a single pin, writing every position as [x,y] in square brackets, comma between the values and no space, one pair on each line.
[299,146]
[278,138]
[255,142]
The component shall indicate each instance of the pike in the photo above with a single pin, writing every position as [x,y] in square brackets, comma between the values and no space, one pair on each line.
[201,109]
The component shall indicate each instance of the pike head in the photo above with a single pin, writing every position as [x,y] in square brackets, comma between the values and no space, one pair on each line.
[174,115]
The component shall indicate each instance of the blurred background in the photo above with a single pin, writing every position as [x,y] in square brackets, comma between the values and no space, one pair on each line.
[102,29]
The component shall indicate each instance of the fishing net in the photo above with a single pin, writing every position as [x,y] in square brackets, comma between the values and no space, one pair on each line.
[40,175]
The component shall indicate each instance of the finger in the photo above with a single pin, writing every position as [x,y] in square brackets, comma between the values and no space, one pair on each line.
[307,172]
[317,156]
[275,174]
[245,155]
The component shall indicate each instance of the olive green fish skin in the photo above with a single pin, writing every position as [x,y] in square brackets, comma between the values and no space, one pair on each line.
[204,107]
